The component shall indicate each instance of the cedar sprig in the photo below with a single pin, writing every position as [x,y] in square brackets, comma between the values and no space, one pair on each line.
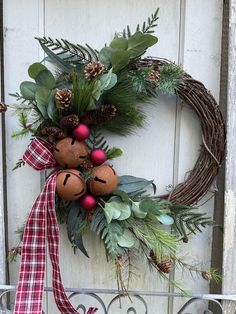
[147,26]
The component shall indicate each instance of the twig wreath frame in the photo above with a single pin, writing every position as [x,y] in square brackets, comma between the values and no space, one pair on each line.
[201,177]
[66,112]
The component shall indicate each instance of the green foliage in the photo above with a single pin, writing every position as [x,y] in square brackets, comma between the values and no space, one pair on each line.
[162,243]
[141,84]
[147,27]
[129,114]
[28,90]
[19,164]
[139,42]
[26,127]
[170,78]
[188,222]
[35,69]
[116,209]
[131,184]
[109,233]
[75,219]
[67,52]
[113,152]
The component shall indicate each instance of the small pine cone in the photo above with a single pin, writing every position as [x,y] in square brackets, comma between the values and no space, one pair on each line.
[153,257]
[165,266]
[53,134]
[69,122]
[206,275]
[154,77]
[86,165]
[93,70]
[15,250]
[63,98]
[100,115]
[3,107]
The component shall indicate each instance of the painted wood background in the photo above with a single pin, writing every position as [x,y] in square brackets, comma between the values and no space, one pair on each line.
[190,34]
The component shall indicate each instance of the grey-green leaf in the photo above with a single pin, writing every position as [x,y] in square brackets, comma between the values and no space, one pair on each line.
[139,42]
[131,184]
[35,69]
[45,78]
[105,56]
[28,90]
[119,43]
[165,219]
[127,239]
[137,212]
[119,59]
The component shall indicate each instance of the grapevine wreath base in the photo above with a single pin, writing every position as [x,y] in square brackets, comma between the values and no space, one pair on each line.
[66,113]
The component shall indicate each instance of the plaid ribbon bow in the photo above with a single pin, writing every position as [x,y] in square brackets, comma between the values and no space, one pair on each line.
[41,226]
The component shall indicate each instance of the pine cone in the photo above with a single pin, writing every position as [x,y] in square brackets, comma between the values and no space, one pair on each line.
[63,98]
[100,115]
[53,134]
[86,165]
[165,266]
[3,107]
[69,122]
[206,275]
[93,70]
[154,77]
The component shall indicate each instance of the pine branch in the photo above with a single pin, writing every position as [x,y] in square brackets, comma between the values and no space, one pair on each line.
[68,52]
[170,78]
[19,164]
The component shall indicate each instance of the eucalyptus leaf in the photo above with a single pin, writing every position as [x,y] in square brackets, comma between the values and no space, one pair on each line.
[166,219]
[124,196]
[35,69]
[51,109]
[119,43]
[147,205]
[131,184]
[45,78]
[119,59]
[127,239]
[105,56]
[96,93]
[28,90]
[112,211]
[137,212]
[139,42]
[125,212]
[42,97]
[108,80]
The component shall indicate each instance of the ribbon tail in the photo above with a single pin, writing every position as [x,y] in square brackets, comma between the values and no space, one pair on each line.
[92,310]
[33,261]
[60,296]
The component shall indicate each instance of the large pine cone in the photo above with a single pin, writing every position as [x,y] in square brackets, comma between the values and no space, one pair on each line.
[100,115]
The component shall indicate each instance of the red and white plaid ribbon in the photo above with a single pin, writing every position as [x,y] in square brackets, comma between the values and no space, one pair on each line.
[41,226]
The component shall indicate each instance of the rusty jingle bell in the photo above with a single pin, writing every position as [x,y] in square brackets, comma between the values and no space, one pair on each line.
[70,153]
[70,184]
[103,181]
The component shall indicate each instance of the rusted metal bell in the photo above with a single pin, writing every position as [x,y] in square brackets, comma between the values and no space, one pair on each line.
[70,153]
[70,184]
[103,180]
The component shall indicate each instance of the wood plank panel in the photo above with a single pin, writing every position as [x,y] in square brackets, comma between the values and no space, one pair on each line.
[85,22]
[229,255]
[201,58]
[22,22]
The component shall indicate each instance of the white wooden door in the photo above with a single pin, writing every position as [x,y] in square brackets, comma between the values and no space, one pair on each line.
[190,34]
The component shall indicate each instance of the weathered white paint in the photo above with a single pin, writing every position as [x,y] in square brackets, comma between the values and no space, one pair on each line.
[229,256]
[2,227]
[191,38]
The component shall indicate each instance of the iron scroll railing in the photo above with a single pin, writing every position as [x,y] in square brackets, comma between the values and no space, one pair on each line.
[137,303]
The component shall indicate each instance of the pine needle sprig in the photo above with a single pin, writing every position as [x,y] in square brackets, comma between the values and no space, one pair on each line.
[163,243]
[70,52]
[97,140]
[19,164]
[170,78]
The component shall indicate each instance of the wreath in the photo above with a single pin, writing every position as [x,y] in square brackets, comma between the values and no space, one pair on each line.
[66,114]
